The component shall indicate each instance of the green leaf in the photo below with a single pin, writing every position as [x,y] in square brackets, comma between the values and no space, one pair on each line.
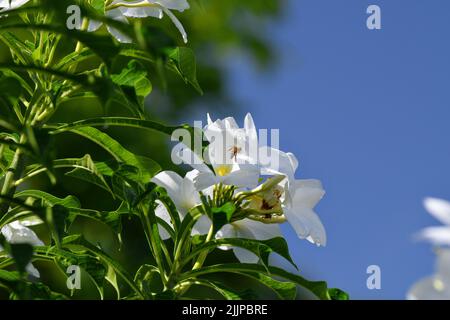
[223,290]
[49,200]
[222,215]
[101,45]
[120,122]
[77,242]
[86,170]
[184,60]
[134,82]
[95,269]
[147,167]
[284,290]
[148,279]
[260,248]
[338,294]
[318,288]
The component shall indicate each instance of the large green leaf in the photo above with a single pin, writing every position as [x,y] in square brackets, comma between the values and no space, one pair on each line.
[260,248]
[318,288]
[95,269]
[77,242]
[184,61]
[119,122]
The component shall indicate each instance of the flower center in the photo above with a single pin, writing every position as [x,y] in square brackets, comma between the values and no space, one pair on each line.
[222,170]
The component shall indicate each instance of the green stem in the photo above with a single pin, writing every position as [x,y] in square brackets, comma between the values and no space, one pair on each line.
[13,173]
[202,257]
[155,250]
[184,287]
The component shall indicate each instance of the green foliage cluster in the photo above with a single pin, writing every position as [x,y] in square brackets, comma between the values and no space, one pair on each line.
[51,67]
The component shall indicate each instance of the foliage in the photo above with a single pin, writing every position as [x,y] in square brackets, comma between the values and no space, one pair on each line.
[36,83]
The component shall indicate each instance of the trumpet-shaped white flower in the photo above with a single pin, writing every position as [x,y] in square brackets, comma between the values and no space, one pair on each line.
[16,233]
[6,5]
[437,286]
[440,209]
[120,10]
[248,229]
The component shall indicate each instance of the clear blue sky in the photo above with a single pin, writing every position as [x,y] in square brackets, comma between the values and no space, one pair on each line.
[368,113]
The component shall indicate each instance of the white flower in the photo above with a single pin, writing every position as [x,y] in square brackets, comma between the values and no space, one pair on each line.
[16,233]
[231,144]
[185,197]
[248,229]
[295,199]
[181,191]
[120,10]
[229,154]
[440,209]
[6,5]
[437,286]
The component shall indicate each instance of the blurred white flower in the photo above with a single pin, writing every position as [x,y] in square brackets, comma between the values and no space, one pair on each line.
[440,209]
[120,10]
[16,233]
[6,5]
[437,286]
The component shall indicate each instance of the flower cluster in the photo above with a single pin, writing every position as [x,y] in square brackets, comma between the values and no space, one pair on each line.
[266,193]
[436,286]
[121,10]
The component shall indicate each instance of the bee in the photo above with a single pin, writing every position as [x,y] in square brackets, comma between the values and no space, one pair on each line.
[234,152]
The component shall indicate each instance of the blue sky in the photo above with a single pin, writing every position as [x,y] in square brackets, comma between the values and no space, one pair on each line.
[367,112]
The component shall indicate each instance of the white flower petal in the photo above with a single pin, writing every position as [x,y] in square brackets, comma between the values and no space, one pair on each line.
[430,288]
[244,176]
[6,5]
[227,231]
[443,264]
[161,212]
[116,14]
[172,182]
[250,132]
[307,225]
[189,157]
[438,208]
[94,25]
[205,179]
[274,161]
[307,193]
[16,233]
[177,24]
[179,5]
[436,235]
[245,256]
[259,230]
[202,226]
[32,270]
[141,12]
